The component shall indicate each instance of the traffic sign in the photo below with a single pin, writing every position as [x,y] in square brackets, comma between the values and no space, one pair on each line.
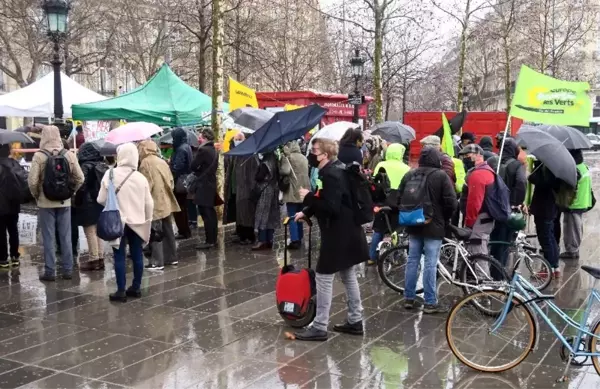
[355,99]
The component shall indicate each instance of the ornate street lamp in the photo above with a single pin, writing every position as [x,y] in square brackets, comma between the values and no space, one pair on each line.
[56,14]
[466,96]
[358,67]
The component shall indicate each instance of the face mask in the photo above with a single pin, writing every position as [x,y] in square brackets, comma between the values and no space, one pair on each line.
[469,163]
[312,160]
[260,156]
[236,142]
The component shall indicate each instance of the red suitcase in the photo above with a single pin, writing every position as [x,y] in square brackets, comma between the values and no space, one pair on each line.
[295,290]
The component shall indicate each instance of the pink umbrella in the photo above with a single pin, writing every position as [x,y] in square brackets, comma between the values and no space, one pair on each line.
[132,132]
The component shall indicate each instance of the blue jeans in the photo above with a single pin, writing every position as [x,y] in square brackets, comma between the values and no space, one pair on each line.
[430,248]
[376,238]
[53,222]
[266,236]
[296,229]
[544,229]
[135,247]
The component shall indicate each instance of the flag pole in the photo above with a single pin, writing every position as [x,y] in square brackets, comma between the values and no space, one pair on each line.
[503,140]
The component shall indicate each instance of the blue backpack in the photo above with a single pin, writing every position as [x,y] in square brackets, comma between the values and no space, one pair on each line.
[497,198]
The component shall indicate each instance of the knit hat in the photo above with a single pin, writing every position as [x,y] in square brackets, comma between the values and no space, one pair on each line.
[431,141]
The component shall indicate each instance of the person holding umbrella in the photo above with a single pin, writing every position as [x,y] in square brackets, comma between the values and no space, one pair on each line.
[10,206]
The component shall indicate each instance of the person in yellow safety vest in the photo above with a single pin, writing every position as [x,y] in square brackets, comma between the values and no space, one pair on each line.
[395,169]
[573,216]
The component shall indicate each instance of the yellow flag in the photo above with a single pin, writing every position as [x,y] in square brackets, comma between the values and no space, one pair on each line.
[241,96]
[447,142]
[291,107]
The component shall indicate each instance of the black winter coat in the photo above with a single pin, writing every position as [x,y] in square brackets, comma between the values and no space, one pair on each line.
[441,194]
[10,203]
[543,204]
[349,154]
[343,243]
[181,159]
[87,209]
[204,166]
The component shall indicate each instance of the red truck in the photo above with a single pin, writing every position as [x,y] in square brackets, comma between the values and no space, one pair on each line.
[479,123]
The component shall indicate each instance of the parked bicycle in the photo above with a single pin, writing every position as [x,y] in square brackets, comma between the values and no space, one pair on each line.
[525,259]
[512,334]
[459,268]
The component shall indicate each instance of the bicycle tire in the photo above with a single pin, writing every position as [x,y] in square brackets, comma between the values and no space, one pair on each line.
[473,359]
[594,345]
[531,267]
[493,263]
[384,267]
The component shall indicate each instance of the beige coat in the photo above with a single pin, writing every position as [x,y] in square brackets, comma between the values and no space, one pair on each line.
[134,198]
[294,165]
[51,142]
[160,179]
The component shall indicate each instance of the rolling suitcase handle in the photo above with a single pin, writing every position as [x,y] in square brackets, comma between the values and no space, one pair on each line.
[286,223]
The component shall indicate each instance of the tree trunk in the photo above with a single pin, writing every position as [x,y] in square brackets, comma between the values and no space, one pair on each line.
[377,62]
[463,55]
[507,92]
[217,86]
[202,69]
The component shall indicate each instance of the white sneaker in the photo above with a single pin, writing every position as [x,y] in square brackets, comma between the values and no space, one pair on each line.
[157,268]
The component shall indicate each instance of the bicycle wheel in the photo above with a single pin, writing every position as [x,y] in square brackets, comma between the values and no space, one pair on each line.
[479,271]
[392,267]
[471,340]
[594,345]
[535,267]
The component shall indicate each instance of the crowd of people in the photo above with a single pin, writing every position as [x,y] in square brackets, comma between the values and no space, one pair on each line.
[71,190]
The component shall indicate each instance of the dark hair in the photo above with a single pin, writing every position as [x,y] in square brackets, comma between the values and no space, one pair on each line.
[208,134]
[79,128]
[352,137]
[4,151]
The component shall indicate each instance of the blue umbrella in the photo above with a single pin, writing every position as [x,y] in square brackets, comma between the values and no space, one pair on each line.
[280,129]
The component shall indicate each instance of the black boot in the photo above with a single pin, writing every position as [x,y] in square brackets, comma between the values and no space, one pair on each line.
[118,296]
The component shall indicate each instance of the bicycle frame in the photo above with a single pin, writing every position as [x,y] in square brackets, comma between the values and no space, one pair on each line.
[461,251]
[532,296]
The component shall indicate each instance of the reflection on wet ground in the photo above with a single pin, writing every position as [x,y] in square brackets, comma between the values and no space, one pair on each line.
[211,322]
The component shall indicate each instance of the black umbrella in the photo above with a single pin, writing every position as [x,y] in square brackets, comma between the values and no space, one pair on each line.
[572,138]
[551,152]
[192,138]
[456,123]
[283,127]
[394,132]
[252,118]
[106,149]
[7,137]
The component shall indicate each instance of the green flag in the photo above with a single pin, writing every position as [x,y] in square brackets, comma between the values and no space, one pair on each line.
[447,144]
[543,99]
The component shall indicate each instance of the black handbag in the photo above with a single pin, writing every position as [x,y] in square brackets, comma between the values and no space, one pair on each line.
[180,184]
[156,231]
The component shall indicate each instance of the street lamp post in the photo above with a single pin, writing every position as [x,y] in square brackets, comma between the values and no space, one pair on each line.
[466,96]
[56,14]
[357,63]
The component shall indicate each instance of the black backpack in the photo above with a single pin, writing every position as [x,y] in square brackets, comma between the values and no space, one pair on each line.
[381,187]
[415,205]
[57,177]
[360,194]
[21,175]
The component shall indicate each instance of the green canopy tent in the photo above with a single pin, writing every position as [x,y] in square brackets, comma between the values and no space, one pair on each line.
[165,100]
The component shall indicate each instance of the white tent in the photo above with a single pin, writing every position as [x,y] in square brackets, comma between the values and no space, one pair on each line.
[37,99]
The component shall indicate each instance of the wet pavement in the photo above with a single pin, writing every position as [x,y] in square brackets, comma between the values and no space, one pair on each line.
[211,322]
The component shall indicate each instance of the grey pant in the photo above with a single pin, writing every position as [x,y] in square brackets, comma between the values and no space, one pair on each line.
[325,295]
[572,231]
[480,237]
[167,248]
[53,221]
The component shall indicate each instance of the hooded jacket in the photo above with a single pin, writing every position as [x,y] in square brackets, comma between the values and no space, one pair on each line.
[487,144]
[441,194]
[181,160]
[160,180]
[135,200]
[393,165]
[93,168]
[295,166]
[512,171]
[52,143]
